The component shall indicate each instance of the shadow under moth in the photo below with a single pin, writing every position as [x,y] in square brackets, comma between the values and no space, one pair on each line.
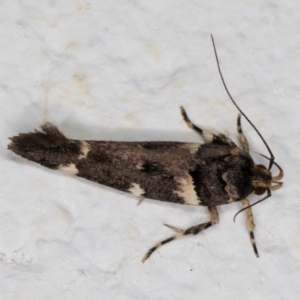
[214,173]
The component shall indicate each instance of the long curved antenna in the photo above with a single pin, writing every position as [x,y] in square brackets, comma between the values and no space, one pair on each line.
[272,158]
[280,175]
[261,200]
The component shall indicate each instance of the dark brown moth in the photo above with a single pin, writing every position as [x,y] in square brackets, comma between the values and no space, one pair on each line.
[210,174]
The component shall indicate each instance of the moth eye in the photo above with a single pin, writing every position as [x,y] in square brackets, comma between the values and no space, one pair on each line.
[259,191]
[262,166]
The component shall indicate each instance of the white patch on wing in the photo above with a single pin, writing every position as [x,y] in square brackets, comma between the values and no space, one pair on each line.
[230,189]
[187,190]
[84,149]
[208,136]
[136,190]
[70,169]
[193,147]
[139,166]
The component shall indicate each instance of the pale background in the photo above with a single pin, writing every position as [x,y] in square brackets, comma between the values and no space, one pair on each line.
[119,70]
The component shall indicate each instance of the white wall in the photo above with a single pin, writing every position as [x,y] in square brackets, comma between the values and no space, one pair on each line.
[119,70]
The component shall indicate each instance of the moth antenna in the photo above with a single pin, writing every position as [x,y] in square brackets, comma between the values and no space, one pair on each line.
[261,200]
[280,175]
[272,157]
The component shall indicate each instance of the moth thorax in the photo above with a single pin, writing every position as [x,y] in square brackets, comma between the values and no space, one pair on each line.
[262,178]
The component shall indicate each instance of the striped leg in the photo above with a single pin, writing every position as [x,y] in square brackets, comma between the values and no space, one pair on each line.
[250,225]
[207,135]
[214,219]
[242,138]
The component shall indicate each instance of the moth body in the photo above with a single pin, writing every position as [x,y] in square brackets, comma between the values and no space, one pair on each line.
[210,174]
[185,173]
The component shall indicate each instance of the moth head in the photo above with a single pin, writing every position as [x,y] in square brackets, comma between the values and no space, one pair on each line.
[262,182]
[263,179]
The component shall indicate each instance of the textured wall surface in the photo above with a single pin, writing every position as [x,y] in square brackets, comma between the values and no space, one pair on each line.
[119,70]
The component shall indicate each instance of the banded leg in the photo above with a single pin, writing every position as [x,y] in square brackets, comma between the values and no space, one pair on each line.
[207,135]
[242,138]
[214,219]
[250,224]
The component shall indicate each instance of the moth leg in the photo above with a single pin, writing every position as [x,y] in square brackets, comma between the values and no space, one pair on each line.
[250,224]
[207,135]
[141,200]
[214,219]
[242,138]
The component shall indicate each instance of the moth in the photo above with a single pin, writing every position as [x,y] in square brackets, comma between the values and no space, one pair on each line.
[210,174]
